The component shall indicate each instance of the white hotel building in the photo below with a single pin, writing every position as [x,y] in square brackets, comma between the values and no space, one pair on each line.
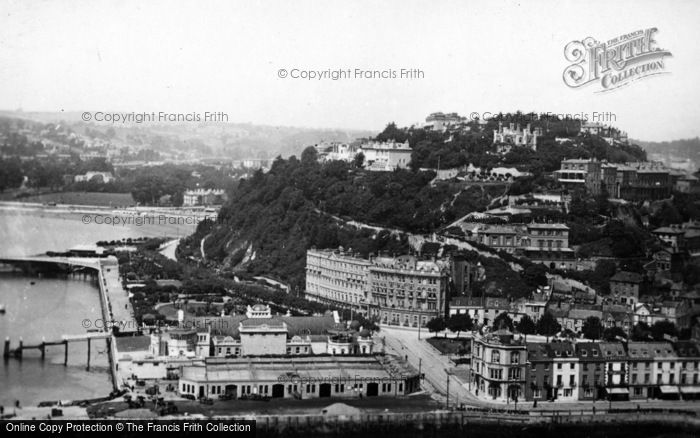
[337,277]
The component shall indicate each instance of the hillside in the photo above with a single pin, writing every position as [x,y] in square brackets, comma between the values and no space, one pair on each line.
[273,218]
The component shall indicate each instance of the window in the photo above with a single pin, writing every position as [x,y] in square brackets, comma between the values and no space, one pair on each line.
[515,357]
[514,374]
[495,356]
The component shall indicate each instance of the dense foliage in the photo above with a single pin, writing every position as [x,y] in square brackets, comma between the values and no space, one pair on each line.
[301,204]
[445,150]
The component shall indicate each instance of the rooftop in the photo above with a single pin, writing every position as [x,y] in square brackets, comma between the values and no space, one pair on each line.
[127,344]
[627,277]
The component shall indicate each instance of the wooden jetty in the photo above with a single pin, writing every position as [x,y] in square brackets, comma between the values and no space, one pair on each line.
[9,352]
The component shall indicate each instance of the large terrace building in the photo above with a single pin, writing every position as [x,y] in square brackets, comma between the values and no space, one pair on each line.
[337,277]
[407,291]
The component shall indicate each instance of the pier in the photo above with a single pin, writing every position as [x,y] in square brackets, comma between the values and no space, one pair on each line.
[18,352]
[114,299]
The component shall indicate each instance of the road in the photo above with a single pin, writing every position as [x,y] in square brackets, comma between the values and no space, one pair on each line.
[404,342]
[421,355]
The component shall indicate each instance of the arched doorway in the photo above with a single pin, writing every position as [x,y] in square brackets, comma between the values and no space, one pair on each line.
[277,391]
[324,390]
[231,391]
[372,389]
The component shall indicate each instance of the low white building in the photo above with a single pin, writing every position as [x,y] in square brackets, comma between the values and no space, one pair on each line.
[99,177]
[387,156]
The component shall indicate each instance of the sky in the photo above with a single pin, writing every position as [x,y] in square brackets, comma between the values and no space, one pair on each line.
[475,56]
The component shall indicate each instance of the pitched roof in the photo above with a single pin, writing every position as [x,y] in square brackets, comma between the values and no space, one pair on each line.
[561,349]
[687,349]
[627,277]
[589,350]
[259,322]
[613,350]
[537,351]
[650,350]
[126,344]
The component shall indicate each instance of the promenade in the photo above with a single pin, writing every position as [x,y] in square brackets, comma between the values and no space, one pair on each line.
[121,314]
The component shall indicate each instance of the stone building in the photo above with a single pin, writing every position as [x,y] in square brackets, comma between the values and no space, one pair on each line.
[407,291]
[577,174]
[499,367]
[337,277]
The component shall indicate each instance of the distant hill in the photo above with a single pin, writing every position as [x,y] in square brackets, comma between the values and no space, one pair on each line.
[683,153]
[233,140]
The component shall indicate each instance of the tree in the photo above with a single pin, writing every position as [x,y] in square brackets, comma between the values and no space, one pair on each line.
[548,325]
[592,328]
[309,156]
[612,333]
[641,332]
[459,323]
[436,325]
[359,160]
[661,328]
[535,275]
[503,321]
[10,174]
[526,325]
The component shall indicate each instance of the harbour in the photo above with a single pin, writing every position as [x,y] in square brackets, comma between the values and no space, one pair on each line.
[48,306]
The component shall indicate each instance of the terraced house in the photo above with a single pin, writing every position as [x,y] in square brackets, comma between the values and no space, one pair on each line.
[565,371]
[591,371]
[338,277]
[407,291]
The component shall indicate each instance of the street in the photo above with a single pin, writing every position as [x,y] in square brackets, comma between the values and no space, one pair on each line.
[405,343]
